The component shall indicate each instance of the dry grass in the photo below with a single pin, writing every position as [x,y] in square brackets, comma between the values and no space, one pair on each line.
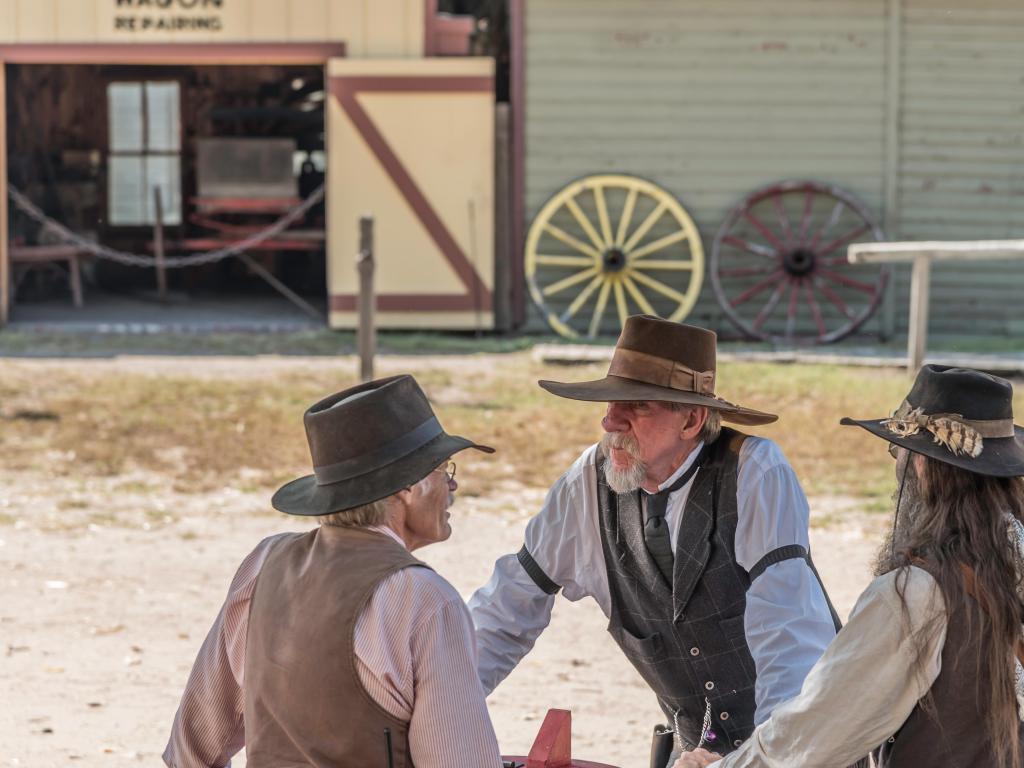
[192,433]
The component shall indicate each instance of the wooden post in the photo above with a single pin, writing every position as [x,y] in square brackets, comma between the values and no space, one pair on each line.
[158,245]
[503,250]
[917,337]
[367,334]
[5,265]
[893,111]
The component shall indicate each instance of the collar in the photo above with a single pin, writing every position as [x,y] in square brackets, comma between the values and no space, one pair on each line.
[682,467]
[387,532]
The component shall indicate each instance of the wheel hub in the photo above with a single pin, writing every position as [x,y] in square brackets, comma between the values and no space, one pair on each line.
[613,260]
[799,262]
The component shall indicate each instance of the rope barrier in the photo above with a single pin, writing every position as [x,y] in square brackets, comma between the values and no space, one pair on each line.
[171,262]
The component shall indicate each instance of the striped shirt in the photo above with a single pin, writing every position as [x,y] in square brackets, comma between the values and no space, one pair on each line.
[415,655]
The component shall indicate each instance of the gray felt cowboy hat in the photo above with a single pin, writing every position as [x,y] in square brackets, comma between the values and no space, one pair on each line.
[367,443]
[657,359]
[958,416]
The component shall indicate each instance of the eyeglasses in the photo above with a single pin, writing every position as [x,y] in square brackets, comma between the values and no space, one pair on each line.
[894,450]
[449,471]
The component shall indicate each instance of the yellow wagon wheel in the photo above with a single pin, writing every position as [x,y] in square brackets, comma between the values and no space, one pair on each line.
[612,239]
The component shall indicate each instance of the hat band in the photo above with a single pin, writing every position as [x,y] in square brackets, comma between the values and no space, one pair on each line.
[984,427]
[651,369]
[951,430]
[379,457]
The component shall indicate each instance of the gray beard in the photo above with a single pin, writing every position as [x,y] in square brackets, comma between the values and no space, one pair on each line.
[625,480]
[889,557]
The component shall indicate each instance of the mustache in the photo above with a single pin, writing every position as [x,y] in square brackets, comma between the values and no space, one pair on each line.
[620,441]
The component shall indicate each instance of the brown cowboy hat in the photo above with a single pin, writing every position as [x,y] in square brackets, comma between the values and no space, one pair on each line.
[367,443]
[958,416]
[657,359]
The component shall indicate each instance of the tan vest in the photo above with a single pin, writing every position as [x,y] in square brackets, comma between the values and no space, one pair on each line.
[304,702]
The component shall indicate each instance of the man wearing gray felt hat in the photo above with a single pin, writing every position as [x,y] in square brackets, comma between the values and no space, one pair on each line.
[336,647]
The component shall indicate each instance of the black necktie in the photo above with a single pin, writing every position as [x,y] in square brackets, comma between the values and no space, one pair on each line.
[656,535]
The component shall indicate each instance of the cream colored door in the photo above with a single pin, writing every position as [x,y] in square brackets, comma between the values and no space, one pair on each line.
[412,143]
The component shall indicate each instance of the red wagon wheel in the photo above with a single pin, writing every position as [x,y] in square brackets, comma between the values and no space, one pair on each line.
[779,268]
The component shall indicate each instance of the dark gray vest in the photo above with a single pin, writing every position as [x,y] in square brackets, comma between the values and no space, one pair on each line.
[953,734]
[686,640]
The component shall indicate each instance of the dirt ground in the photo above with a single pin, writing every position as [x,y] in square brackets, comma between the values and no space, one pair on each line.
[99,624]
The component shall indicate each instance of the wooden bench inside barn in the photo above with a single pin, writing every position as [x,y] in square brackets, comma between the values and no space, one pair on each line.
[26,257]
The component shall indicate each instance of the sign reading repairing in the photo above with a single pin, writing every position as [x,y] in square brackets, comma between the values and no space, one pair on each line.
[169,16]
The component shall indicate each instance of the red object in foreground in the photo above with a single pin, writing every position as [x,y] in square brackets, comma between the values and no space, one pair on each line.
[553,746]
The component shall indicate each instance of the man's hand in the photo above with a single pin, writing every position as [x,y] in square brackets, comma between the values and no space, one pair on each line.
[697,759]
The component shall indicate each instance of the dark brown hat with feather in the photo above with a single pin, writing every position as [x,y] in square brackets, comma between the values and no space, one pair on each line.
[958,416]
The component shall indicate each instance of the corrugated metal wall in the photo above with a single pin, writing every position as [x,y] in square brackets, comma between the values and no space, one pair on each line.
[713,98]
[961,167]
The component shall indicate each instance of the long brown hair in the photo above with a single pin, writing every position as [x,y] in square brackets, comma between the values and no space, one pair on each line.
[956,518]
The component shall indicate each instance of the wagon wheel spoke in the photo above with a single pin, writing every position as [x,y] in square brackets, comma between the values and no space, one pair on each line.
[751,292]
[602,214]
[585,224]
[580,300]
[768,308]
[833,218]
[819,321]
[620,302]
[645,227]
[765,232]
[572,242]
[849,282]
[566,261]
[660,287]
[602,302]
[833,297]
[784,243]
[605,236]
[839,242]
[783,219]
[637,296]
[755,248]
[658,245]
[570,281]
[745,271]
[794,294]
[627,216]
[805,217]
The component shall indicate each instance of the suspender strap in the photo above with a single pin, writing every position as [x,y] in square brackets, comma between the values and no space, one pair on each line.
[788,552]
[792,552]
[536,573]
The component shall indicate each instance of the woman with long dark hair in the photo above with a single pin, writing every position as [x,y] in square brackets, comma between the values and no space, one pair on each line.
[928,669]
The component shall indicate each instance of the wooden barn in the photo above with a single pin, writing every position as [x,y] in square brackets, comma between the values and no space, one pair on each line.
[784,130]
[135,133]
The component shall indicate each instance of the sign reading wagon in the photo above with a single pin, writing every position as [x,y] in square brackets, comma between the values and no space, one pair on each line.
[168,15]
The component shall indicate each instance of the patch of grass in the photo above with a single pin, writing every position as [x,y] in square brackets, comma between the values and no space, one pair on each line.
[183,430]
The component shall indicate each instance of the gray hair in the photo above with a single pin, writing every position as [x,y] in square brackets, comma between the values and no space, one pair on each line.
[365,515]
[712,424]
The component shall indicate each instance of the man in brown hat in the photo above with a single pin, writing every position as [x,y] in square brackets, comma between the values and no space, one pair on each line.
[928,665]
[337,648]
[690,537]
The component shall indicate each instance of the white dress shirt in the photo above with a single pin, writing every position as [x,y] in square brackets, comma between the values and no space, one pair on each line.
[787,620]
